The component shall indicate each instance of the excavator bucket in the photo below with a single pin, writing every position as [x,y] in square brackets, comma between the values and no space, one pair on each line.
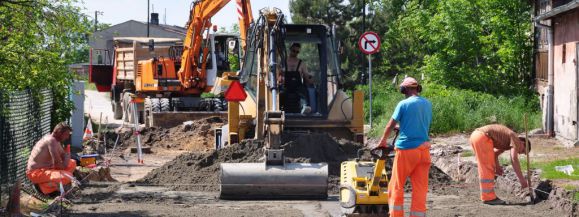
[251,181]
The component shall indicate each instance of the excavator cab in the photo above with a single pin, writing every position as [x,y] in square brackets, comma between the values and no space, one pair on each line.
[218,58]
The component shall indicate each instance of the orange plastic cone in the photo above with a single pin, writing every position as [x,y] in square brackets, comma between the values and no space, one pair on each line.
[87,131]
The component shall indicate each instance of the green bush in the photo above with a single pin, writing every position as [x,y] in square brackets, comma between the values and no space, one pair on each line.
[456,110]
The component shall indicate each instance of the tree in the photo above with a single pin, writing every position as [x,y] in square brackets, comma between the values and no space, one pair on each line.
[482,45]
[38,40]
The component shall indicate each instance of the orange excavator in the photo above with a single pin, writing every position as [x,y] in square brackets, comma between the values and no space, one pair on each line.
[164,76]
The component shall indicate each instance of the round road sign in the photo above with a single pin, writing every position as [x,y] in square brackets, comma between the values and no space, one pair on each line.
[369,43]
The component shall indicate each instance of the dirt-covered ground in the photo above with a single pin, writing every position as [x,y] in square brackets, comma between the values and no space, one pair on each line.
[179,177]
[188,184]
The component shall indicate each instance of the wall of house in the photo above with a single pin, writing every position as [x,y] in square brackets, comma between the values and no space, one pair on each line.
[566,35]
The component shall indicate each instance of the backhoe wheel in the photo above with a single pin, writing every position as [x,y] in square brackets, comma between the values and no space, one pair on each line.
[117,110]
[165,104]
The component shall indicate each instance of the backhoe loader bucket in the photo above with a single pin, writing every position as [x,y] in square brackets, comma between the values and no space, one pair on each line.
[290,181]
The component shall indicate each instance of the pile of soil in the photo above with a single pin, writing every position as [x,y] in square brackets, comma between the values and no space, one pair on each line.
[195,135]
[200,171]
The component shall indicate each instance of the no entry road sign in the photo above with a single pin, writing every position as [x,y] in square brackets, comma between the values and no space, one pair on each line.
[369,43]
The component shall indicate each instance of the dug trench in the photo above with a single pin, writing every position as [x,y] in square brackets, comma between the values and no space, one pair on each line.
[447,159]
[191,181]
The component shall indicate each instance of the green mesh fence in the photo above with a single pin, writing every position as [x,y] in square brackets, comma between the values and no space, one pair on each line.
[24,119]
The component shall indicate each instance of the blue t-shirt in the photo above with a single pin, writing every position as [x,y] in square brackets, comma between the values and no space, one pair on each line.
[414,116]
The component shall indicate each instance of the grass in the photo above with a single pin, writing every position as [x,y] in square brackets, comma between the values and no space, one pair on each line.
[89,86]
[467,153]
[550,172]
[457,111]
[548,167]
[506,161]
[575,189]
[570,187]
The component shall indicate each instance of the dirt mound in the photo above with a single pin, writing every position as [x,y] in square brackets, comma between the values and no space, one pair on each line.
[195,171]
[195,135]
[200,171]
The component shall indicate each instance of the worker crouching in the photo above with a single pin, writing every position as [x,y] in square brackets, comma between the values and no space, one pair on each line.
[488,142]
[412,159]
[49,164]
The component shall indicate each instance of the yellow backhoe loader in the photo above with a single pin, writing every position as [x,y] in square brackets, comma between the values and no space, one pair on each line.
[271,110]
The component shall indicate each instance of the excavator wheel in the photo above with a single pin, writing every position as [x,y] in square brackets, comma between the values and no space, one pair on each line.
[165,104]
[151,105]
[155,105]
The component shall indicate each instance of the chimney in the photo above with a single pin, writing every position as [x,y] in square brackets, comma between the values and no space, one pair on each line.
[155,19]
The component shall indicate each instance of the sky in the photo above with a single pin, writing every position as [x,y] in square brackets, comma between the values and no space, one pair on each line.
[118,11]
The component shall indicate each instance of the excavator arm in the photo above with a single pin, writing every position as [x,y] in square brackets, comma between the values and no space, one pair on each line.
[191,75]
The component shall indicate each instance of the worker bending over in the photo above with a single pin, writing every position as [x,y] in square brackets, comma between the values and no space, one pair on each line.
[488,143]
[412,159]
[48,164]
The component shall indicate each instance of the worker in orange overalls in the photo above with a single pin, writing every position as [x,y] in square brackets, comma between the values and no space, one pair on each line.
[412,159]
[488,143]
[49,164]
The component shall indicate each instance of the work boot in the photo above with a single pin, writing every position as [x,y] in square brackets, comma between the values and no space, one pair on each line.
[496,201]
[306,110]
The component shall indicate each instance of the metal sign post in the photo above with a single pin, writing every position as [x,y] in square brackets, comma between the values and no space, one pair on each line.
[369,44]
[370,84]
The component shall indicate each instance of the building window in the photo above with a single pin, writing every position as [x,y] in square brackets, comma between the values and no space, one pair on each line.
[564,55]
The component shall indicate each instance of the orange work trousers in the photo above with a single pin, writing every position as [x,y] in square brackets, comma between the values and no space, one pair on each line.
[48,180]
[485,157]
[416,164]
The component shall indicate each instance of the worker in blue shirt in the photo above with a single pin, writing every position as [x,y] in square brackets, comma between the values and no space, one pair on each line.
[412,158]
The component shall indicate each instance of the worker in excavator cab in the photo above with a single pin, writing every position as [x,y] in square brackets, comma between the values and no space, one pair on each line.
[412,159]
[222,62]
[296,81]
[49,164]
[488,142]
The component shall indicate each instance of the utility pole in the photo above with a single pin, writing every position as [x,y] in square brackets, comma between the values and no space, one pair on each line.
[96,18]
[363,16]
[148,4]
[363,31]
